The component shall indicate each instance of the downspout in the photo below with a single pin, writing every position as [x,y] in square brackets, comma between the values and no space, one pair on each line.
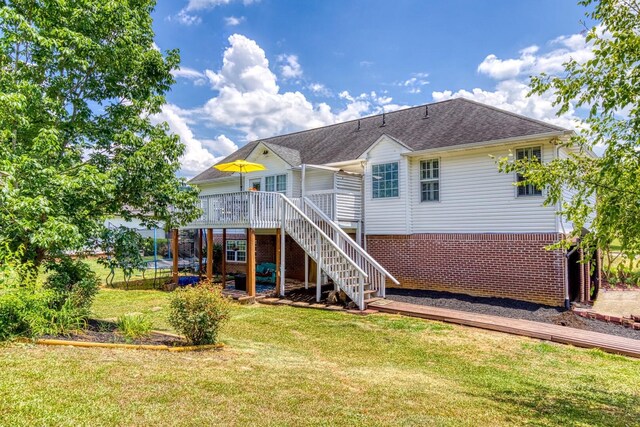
[364,209]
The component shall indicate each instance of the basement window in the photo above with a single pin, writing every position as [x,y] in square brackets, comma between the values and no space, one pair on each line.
[430,180]
[384,179]
[529,153]
[236,250]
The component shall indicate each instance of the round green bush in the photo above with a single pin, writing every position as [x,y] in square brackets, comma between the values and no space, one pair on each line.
[199,312]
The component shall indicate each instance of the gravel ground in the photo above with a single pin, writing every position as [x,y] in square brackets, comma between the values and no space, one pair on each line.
[508,308]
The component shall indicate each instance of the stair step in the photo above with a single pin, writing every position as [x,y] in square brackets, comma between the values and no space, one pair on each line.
[370,300]
[369,291]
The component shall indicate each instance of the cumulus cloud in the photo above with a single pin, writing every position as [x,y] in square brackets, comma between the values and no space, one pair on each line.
[414,83]
[247,101]
[289,66]
[531,61]
[188,16]
[232,21]
[512,78]
[196,157]
[187,73]
[319,89]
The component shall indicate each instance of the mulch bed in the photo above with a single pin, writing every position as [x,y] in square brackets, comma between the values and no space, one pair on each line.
[100,331]
[508,308]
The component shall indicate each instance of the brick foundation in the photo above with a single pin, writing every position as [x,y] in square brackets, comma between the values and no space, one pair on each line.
[499,265]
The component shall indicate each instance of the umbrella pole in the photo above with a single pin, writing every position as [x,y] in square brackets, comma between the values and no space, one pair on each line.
[241,182]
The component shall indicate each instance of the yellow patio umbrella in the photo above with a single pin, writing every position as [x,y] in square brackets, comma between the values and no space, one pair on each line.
[241,166]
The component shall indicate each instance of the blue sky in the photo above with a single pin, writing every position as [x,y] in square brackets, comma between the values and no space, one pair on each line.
[255,68]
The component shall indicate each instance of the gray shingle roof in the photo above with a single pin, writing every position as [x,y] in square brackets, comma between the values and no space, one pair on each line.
[453,122]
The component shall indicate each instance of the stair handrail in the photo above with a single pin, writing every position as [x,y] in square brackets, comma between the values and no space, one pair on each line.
[323,234]
[348,239]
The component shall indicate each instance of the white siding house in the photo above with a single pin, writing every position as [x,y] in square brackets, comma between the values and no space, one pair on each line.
[422,188]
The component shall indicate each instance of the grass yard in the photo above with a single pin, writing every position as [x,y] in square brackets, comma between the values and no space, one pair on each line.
[289,366]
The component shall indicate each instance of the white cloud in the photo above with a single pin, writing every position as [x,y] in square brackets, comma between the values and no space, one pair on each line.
[414,83]
[512,78]
[532,62]
[290,67]
[319,89]
[187,16]
[232,21]
[196,76]
[210,4]
[249,100]
[196,158]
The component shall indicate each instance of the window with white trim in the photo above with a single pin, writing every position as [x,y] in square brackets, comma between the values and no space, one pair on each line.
[236,250]
[529,153]
[430,180]
[384,180]
[276,183]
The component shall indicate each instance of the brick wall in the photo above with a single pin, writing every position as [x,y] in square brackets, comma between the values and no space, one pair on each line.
[293,256]
[502,265]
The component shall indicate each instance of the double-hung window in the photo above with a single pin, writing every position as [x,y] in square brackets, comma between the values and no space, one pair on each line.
[276,183]
[430,180]
[236,250]
[529,153]
[384,180]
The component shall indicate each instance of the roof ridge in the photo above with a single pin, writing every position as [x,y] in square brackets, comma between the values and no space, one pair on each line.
[355,120]
[519,116]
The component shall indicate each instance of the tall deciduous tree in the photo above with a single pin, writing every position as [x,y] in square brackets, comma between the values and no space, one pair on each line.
[79,82]
[606,189]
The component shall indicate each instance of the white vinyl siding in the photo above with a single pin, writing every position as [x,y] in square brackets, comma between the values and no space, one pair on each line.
[274,166]
[476,198]
[318,180]
[387,215]
[220,187]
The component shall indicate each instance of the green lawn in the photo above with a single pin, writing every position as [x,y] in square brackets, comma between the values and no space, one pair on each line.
[289,366]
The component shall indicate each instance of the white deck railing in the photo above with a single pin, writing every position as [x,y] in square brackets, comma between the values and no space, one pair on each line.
[252,209]
[377,273]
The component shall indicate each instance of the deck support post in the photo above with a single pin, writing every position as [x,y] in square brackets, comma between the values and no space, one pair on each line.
[282,260]
[319,270]
[278,272]
[174,248]
[306,270]
[224,257]
[209,254]
[251,262]
[200,253]
[582,278]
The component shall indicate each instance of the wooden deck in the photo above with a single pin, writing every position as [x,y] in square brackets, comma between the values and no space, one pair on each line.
[544,331]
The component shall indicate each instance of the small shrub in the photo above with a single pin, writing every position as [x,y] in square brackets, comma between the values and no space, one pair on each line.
[199,312]
[59,321]
[22,311]
[133,326]
[72,281]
